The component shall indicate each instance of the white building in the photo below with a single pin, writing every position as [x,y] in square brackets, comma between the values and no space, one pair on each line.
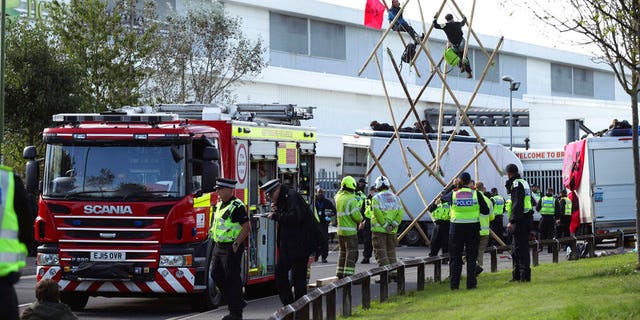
[316,49]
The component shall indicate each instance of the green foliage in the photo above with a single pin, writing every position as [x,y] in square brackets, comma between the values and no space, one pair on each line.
[39,83]
[111,42]
[599,288]
[203,54]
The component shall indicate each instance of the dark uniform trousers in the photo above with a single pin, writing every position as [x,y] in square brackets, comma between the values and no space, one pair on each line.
[440,237]
[547,227]
[298,267]
[497,227]
[463,237]
[562,230]
[8,297]
[323,248]
[366,239]
[521,257]
[226,274]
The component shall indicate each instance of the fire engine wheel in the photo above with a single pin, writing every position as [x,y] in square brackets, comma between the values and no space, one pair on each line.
[210,297]
[76,301]
[412,237]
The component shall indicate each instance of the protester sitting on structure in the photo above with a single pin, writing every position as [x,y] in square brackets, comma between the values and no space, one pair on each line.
[401,24]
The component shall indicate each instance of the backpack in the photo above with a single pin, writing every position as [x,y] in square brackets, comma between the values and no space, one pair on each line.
[451,57]
[409,52]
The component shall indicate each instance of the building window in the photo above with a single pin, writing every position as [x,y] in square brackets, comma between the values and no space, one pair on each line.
[307,37]
[571,80]
[289,34]
[479,63]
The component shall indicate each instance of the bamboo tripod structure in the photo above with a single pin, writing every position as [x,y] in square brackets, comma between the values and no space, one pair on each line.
[433,168]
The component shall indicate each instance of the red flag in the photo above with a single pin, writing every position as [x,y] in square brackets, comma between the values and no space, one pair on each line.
[373,14]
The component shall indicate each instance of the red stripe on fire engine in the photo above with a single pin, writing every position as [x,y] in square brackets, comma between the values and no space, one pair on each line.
[120,286]
[95,286]
[162,282]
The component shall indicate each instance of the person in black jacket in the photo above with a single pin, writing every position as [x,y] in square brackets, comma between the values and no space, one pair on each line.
[453,30]
[298,236]
[48,305]
[325,209]
[519,223]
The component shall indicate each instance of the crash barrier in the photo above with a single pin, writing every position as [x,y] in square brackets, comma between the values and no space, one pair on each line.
[313,301]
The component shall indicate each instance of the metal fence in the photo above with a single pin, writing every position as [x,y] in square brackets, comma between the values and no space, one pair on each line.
[329,182]
[313,301]
[545,179]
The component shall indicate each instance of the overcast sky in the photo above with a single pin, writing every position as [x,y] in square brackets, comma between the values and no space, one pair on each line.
[491,17]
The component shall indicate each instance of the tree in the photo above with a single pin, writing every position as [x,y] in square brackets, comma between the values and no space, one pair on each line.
[203,54]
[614,28]
[39,84]
[112,41]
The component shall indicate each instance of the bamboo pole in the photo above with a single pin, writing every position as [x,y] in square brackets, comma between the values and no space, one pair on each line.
[384,35]
[412,224]
[426,166]
[466,46]
[377,162]
[476,164]
[406,116]
[411,103]
[404,44]
[475,36]
[426,36]
[418,176]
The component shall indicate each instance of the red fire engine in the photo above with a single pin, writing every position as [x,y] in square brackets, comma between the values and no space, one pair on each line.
[125,197]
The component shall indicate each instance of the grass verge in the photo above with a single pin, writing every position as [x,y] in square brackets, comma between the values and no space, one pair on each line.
[599,288]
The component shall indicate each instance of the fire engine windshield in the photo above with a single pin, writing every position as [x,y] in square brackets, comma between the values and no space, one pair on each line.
[127,173]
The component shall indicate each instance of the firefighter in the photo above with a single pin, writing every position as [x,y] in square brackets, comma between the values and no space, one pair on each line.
[364,228]
[547,208]
[440,237]
[520,221]
[498,211]
[230,229]
[16,234]
[563,215]
[464,236]
[386,215]
[349,216]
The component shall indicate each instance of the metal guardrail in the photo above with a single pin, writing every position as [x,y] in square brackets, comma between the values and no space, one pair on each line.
[313,301]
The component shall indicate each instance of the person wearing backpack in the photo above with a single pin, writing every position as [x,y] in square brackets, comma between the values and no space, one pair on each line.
[453,30]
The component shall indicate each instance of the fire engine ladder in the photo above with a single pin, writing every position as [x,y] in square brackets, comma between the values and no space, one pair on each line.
[273,113]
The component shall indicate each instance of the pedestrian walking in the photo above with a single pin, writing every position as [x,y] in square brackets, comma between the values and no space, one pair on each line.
[230,229]
[464,236]
[298,237]
[520,221]
[349,217]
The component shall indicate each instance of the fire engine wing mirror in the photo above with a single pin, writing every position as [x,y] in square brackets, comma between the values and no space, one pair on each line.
[210,154]
[210,168]
[32,169]
[175,153]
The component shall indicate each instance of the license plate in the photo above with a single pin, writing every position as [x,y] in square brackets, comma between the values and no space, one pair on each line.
[108,256]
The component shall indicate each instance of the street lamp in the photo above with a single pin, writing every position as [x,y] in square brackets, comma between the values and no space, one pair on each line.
[513,86]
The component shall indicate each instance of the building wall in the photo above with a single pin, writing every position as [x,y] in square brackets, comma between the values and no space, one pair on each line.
[346,102]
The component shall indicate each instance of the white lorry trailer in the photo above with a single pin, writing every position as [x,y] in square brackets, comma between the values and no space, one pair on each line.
[356,160]
[602,168]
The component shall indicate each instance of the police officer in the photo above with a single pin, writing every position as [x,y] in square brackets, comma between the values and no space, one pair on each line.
[464,236]
[547,208]
[386,215]
[230,229]
[563,215]
[485,222]
[325,210]
[440,236]
[498,211]
[520,221]
[349,216]
[16,234]
[364,229]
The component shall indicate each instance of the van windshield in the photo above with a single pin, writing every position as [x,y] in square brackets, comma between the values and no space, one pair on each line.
[126,173]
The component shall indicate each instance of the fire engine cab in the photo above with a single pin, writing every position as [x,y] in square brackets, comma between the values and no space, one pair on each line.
[126,196]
